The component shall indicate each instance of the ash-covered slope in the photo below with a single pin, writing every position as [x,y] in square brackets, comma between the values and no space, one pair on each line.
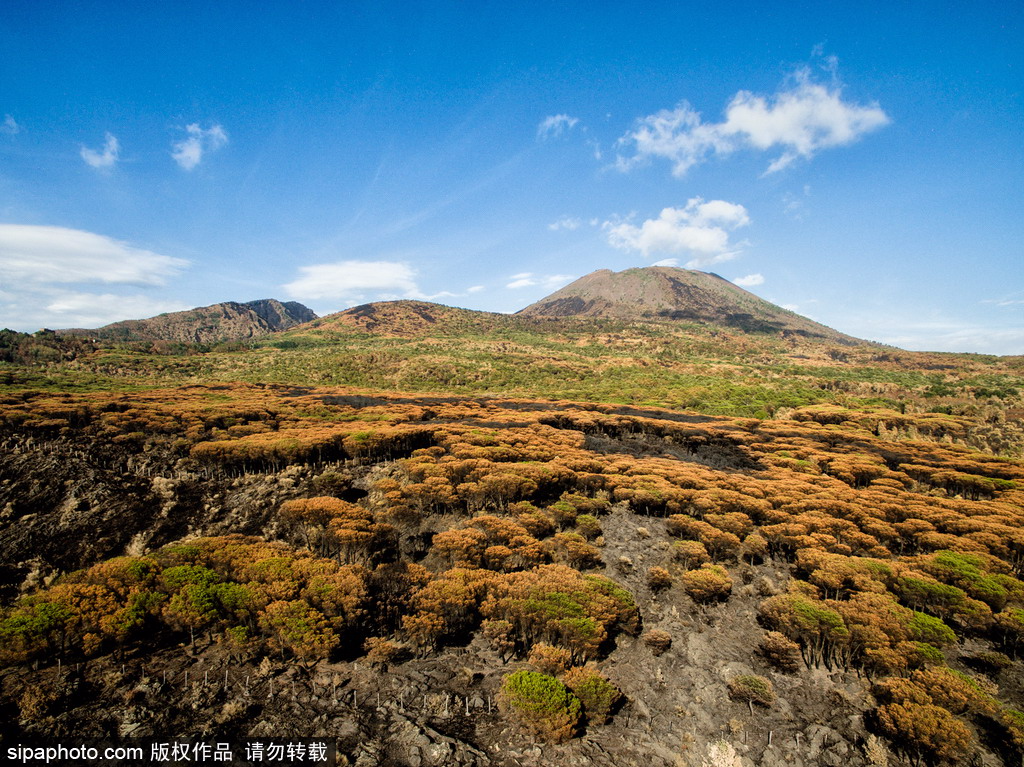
[669,293]
[227,321]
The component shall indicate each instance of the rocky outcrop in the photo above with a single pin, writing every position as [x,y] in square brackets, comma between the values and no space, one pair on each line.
[227,321]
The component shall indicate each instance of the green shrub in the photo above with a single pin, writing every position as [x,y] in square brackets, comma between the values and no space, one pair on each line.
[751,689]
[588,526]
[595,692]
[174,578]
[927,655]
[542,703]
[989,662]
[927,628]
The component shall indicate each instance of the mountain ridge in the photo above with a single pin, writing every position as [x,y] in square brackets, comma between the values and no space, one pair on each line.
[224,321]
[654,293]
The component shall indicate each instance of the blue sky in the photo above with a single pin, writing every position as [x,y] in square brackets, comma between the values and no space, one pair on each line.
[862,165]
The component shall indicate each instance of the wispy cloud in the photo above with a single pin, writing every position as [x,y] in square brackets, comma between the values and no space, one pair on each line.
[53,254]
[1012,299]
[189,151]
[106,157]
[939,333]
[39,265]
[73,309]
[554,126]
[9,126]
[546,281]
[55,307]
[800,120]
[750,280]
[700,230]
[354,280]
[566,222]
[793,204]
[921,326]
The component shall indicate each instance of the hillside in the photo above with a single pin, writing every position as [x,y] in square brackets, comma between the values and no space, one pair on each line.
[437,537]
[226,321]
[405,318]
[421,347]
[668,293]
[374,568]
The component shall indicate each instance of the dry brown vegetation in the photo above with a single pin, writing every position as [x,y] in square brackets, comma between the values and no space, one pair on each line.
[902,541]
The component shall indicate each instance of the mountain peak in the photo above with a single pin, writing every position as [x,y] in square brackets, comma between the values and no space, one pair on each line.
[671,293]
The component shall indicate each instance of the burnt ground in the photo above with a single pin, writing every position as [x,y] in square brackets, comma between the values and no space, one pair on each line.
[441,710]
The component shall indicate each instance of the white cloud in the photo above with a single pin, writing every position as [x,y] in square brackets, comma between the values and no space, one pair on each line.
[546,281]
[677,135]
[1011,299]
[750,280]
[353,280]
[566,223]
[554,126]
[58,308]
[188,152]
[555,281]
[969,338]
[800,121]
[667,262]
[35,255]
[38,264]
[104,158]
[701,229]
[728,214]
[9,126]
[94,309]
[934,331]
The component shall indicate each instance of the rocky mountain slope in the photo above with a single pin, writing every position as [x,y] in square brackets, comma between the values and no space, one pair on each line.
[226,321]
[668,293]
